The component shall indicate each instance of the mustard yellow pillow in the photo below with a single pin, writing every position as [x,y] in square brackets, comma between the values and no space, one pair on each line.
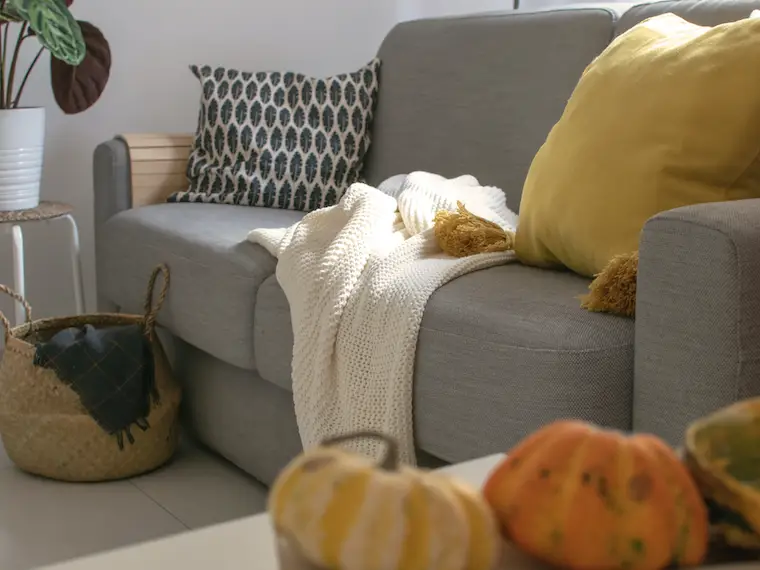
[668,115]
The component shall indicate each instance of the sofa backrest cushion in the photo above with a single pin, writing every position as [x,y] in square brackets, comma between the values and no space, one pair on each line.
[700,12]
[478,95]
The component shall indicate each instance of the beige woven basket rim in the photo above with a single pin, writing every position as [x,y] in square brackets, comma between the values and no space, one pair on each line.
[17,334]
[20,332]
[16,338]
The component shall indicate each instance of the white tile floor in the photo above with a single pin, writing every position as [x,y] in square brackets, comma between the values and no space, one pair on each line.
[43,521]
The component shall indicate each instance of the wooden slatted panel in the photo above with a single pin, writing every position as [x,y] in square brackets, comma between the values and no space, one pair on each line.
[158,164]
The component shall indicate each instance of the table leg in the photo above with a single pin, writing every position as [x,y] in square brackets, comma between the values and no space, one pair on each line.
[76,264]
[18,271]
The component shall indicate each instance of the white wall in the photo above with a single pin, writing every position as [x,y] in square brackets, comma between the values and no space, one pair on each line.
[152,42]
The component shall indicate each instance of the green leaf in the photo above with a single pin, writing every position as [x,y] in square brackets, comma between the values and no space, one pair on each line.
[261,138]
[265,163]
[299,199]
[291,139]
[320,142]
[8,14]
[296,162]
[336,93]
[349,145]
[55,27]
[326,170]
[341,171]
[311,168]
[241,112]
[350,94]
[270,116]
[283,200]
[275,139]
[219,141]
[270,193]
[320,91]
[305,140]
[226,112]
[357,119]
[315,198]
[328,119]
[280,166]
[213,111]
[331,197]
[232,139]
[246,138]
[255,114]
[255,192]
[343,119]
[335,144]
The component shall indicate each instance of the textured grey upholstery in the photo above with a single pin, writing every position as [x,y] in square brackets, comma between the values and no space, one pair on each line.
[249,421]
[246,419]
[273,334]
[479,94]
[697,314]
[215,272]
[504,351]
[500,353]
[701,12]
[113,194]
[111,172]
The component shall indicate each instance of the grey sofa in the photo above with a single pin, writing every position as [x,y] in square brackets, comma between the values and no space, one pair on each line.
[501,351]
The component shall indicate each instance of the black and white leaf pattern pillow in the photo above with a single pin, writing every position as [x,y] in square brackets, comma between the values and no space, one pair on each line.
[280,140]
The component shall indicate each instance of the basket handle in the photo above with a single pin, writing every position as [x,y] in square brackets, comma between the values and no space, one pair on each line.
[152,310]
[27,309]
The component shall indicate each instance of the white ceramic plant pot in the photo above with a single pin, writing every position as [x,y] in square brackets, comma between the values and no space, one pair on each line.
[22,141]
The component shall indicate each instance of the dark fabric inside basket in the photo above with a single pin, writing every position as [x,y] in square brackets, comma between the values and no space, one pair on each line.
[110,368]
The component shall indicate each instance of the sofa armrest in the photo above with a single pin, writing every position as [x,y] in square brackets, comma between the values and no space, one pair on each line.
[697,315]
[136,170]
[111,180]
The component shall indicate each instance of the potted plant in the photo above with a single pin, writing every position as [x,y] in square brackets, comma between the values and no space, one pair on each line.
[80,63]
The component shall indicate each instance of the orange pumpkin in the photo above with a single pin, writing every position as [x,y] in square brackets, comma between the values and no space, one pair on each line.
[585,498]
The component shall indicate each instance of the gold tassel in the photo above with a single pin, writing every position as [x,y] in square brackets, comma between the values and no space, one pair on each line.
[462,233]
[614,289]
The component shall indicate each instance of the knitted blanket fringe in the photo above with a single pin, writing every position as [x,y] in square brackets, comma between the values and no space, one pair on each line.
[357,276]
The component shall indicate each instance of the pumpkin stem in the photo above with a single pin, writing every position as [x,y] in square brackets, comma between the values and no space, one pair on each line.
[389,462]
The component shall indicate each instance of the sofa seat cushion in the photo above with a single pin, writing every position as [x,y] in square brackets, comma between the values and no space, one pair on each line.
[500,353]
[215,272]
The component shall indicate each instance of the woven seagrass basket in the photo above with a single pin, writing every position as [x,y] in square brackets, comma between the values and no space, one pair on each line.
[43,424]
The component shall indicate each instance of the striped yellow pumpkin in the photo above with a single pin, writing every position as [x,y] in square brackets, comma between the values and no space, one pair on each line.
[343,512]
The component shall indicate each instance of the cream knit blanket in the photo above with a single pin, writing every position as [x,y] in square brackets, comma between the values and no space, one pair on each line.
[357,276]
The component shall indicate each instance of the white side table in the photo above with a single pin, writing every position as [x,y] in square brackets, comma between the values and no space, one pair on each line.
[46,212]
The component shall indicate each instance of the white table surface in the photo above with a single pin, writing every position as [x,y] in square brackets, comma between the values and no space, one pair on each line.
[245,543]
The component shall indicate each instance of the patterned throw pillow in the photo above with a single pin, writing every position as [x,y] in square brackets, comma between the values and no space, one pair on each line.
[279,140]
